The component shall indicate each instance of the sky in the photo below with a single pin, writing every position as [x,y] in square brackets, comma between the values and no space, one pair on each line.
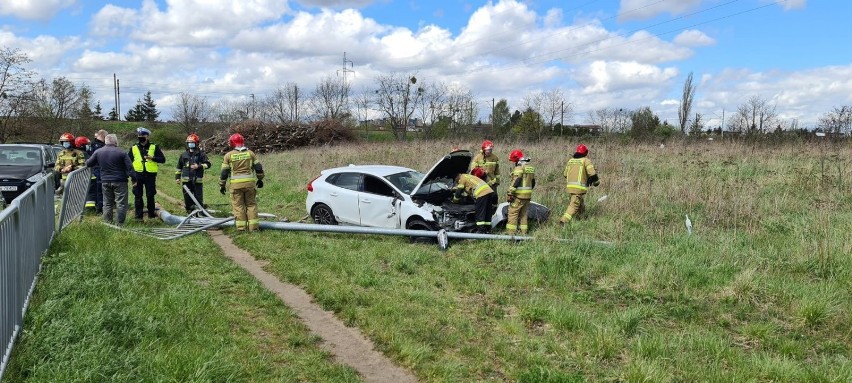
[599,53]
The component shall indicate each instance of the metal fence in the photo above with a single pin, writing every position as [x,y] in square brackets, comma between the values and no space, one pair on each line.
[74,193]
[26,231]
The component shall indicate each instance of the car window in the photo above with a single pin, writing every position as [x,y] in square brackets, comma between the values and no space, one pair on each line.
[376,185]
[405,181]
[351,181]
[20,156]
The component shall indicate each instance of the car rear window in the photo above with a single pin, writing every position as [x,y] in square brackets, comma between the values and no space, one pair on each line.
[20,156]
[351,181]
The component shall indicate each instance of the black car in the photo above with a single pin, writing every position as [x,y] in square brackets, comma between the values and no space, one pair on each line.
[21,166]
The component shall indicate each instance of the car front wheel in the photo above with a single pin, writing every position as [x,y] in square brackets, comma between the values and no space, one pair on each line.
[323,215]
[419,224]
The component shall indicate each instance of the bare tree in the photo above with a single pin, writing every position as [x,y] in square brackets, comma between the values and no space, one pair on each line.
[837,121]
[191,112]
[754,116]
[230,111]
[611,120]
[14,85]
[329,99]
[433,104]
[552,107]
[397,98]
[55,103]
[362,102]
[460,107]
[284,105]
[687,97]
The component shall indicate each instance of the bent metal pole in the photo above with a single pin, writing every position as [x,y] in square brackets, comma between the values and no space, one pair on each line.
[312,227]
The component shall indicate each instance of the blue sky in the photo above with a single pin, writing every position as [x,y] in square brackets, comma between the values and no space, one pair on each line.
[598,53]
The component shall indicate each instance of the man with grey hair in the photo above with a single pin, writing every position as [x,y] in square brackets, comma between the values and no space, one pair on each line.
[115,168]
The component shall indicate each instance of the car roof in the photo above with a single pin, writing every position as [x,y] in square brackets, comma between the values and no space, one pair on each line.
[376,170]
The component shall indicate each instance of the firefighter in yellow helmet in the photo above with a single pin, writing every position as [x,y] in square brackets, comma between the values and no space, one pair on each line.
[579,174]
[483,197]
[69,159]
[244,171]
[489,162]
[519,193]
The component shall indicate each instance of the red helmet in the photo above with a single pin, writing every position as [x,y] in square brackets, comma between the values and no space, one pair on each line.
[516,155]
[236,140]
[478,172]
[582,149]
[81,141]
[193,138]
[487,145]
[66,137]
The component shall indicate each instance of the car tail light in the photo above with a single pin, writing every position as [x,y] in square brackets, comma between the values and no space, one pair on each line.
[311,184]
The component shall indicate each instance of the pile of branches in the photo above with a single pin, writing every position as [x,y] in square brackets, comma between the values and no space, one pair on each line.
[262,137]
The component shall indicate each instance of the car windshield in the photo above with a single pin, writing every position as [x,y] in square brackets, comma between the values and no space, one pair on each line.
[405,181]
[20,156]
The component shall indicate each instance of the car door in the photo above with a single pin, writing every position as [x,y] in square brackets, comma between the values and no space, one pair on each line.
[343,197]
[377,204]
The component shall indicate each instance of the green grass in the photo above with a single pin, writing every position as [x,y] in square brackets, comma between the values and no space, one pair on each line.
[759,292]
[113,306]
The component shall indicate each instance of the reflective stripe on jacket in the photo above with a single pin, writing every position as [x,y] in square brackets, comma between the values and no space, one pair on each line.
[523,181]
[474,186]
[488,163]
[577,173]
[140,164]
[241,164]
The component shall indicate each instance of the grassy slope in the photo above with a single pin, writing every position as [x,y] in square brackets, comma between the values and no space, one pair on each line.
[113,306]
[760,292]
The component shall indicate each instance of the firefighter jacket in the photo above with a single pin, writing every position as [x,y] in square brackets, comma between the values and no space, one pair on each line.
[491,166]
[473,186]
[579,173]
[70,157]
[185,173]
[241,167]
[137,155]
[523,182]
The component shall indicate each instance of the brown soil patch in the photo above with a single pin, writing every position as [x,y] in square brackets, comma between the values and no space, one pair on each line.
[347,344]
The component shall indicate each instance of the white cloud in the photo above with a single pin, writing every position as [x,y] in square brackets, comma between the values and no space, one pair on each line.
[45,52]
[602,76]
[693,38]
[33,9]
[113,21]
[336,3]
[643,9]
[793,4]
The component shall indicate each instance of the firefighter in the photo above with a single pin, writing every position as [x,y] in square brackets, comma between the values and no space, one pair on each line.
[519,193]
[579,174]
[243,169]
[85,145]
[482,194]
[146,158]
[488,161]
[69,159]
[190,172]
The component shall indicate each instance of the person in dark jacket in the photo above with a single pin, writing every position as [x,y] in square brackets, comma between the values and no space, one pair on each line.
[146,158]
[190,172]
[98,143]
[116,168]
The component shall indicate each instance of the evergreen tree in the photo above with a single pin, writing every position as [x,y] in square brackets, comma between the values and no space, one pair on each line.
[98,113]
[149,109]
[137,113]
[113,116]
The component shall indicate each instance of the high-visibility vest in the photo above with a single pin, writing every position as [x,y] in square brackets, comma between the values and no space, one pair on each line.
[576,175]
[140,164]
[527,174]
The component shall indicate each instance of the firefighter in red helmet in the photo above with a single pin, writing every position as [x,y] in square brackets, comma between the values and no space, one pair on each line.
[519,193]
[242,168]
[489,162]
[483,196]
[579,174]
[190,172]
[69,159]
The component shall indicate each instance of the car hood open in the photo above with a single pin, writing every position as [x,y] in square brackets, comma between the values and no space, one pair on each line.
[435,186]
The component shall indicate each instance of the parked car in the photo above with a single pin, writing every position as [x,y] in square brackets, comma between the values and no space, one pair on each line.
[21,166]
[398,197]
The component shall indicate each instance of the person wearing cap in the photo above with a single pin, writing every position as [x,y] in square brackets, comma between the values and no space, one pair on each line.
[146,158]
[190,172]
[519,193]
[579,174]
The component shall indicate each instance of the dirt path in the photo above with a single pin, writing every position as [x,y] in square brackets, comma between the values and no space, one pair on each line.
[347,344]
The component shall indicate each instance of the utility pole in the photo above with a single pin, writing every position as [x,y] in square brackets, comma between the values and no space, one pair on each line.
[723,123]
[118,97]
[252,106]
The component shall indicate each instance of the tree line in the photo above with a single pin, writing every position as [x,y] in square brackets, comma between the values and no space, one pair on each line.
[395,102]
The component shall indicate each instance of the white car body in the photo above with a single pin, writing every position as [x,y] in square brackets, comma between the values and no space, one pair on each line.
[393,196]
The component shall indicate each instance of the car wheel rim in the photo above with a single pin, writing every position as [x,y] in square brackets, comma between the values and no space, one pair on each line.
[323,216]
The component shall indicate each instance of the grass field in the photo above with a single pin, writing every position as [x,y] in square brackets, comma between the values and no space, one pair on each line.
[759,292]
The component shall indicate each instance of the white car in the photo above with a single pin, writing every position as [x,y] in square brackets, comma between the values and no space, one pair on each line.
[398,197]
